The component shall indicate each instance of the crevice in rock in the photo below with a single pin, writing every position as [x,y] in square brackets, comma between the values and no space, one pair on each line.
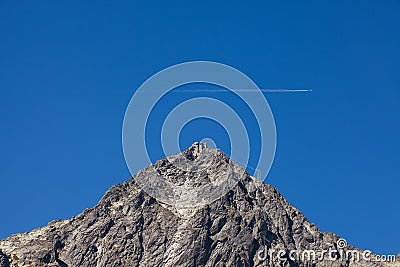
[58,246]
[4,261]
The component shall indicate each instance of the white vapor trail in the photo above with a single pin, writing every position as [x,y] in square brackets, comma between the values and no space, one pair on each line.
[247,90]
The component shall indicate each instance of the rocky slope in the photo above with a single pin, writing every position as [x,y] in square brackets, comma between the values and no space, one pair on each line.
[250,225]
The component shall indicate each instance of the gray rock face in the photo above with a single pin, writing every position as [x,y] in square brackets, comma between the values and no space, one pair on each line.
[250,225]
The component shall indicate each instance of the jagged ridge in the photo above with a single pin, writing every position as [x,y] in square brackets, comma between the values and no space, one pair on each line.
[130,228]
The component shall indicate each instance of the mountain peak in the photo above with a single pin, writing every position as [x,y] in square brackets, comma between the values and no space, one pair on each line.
[194,151]
[132,226]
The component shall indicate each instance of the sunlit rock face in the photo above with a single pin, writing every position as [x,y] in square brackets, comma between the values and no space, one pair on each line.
[251,224]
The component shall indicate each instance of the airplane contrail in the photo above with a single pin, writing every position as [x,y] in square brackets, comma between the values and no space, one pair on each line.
[246,90]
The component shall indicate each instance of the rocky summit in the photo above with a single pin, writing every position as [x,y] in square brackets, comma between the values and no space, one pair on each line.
[249,224]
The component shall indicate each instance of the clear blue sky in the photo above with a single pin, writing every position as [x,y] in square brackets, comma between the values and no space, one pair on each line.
[68,70]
